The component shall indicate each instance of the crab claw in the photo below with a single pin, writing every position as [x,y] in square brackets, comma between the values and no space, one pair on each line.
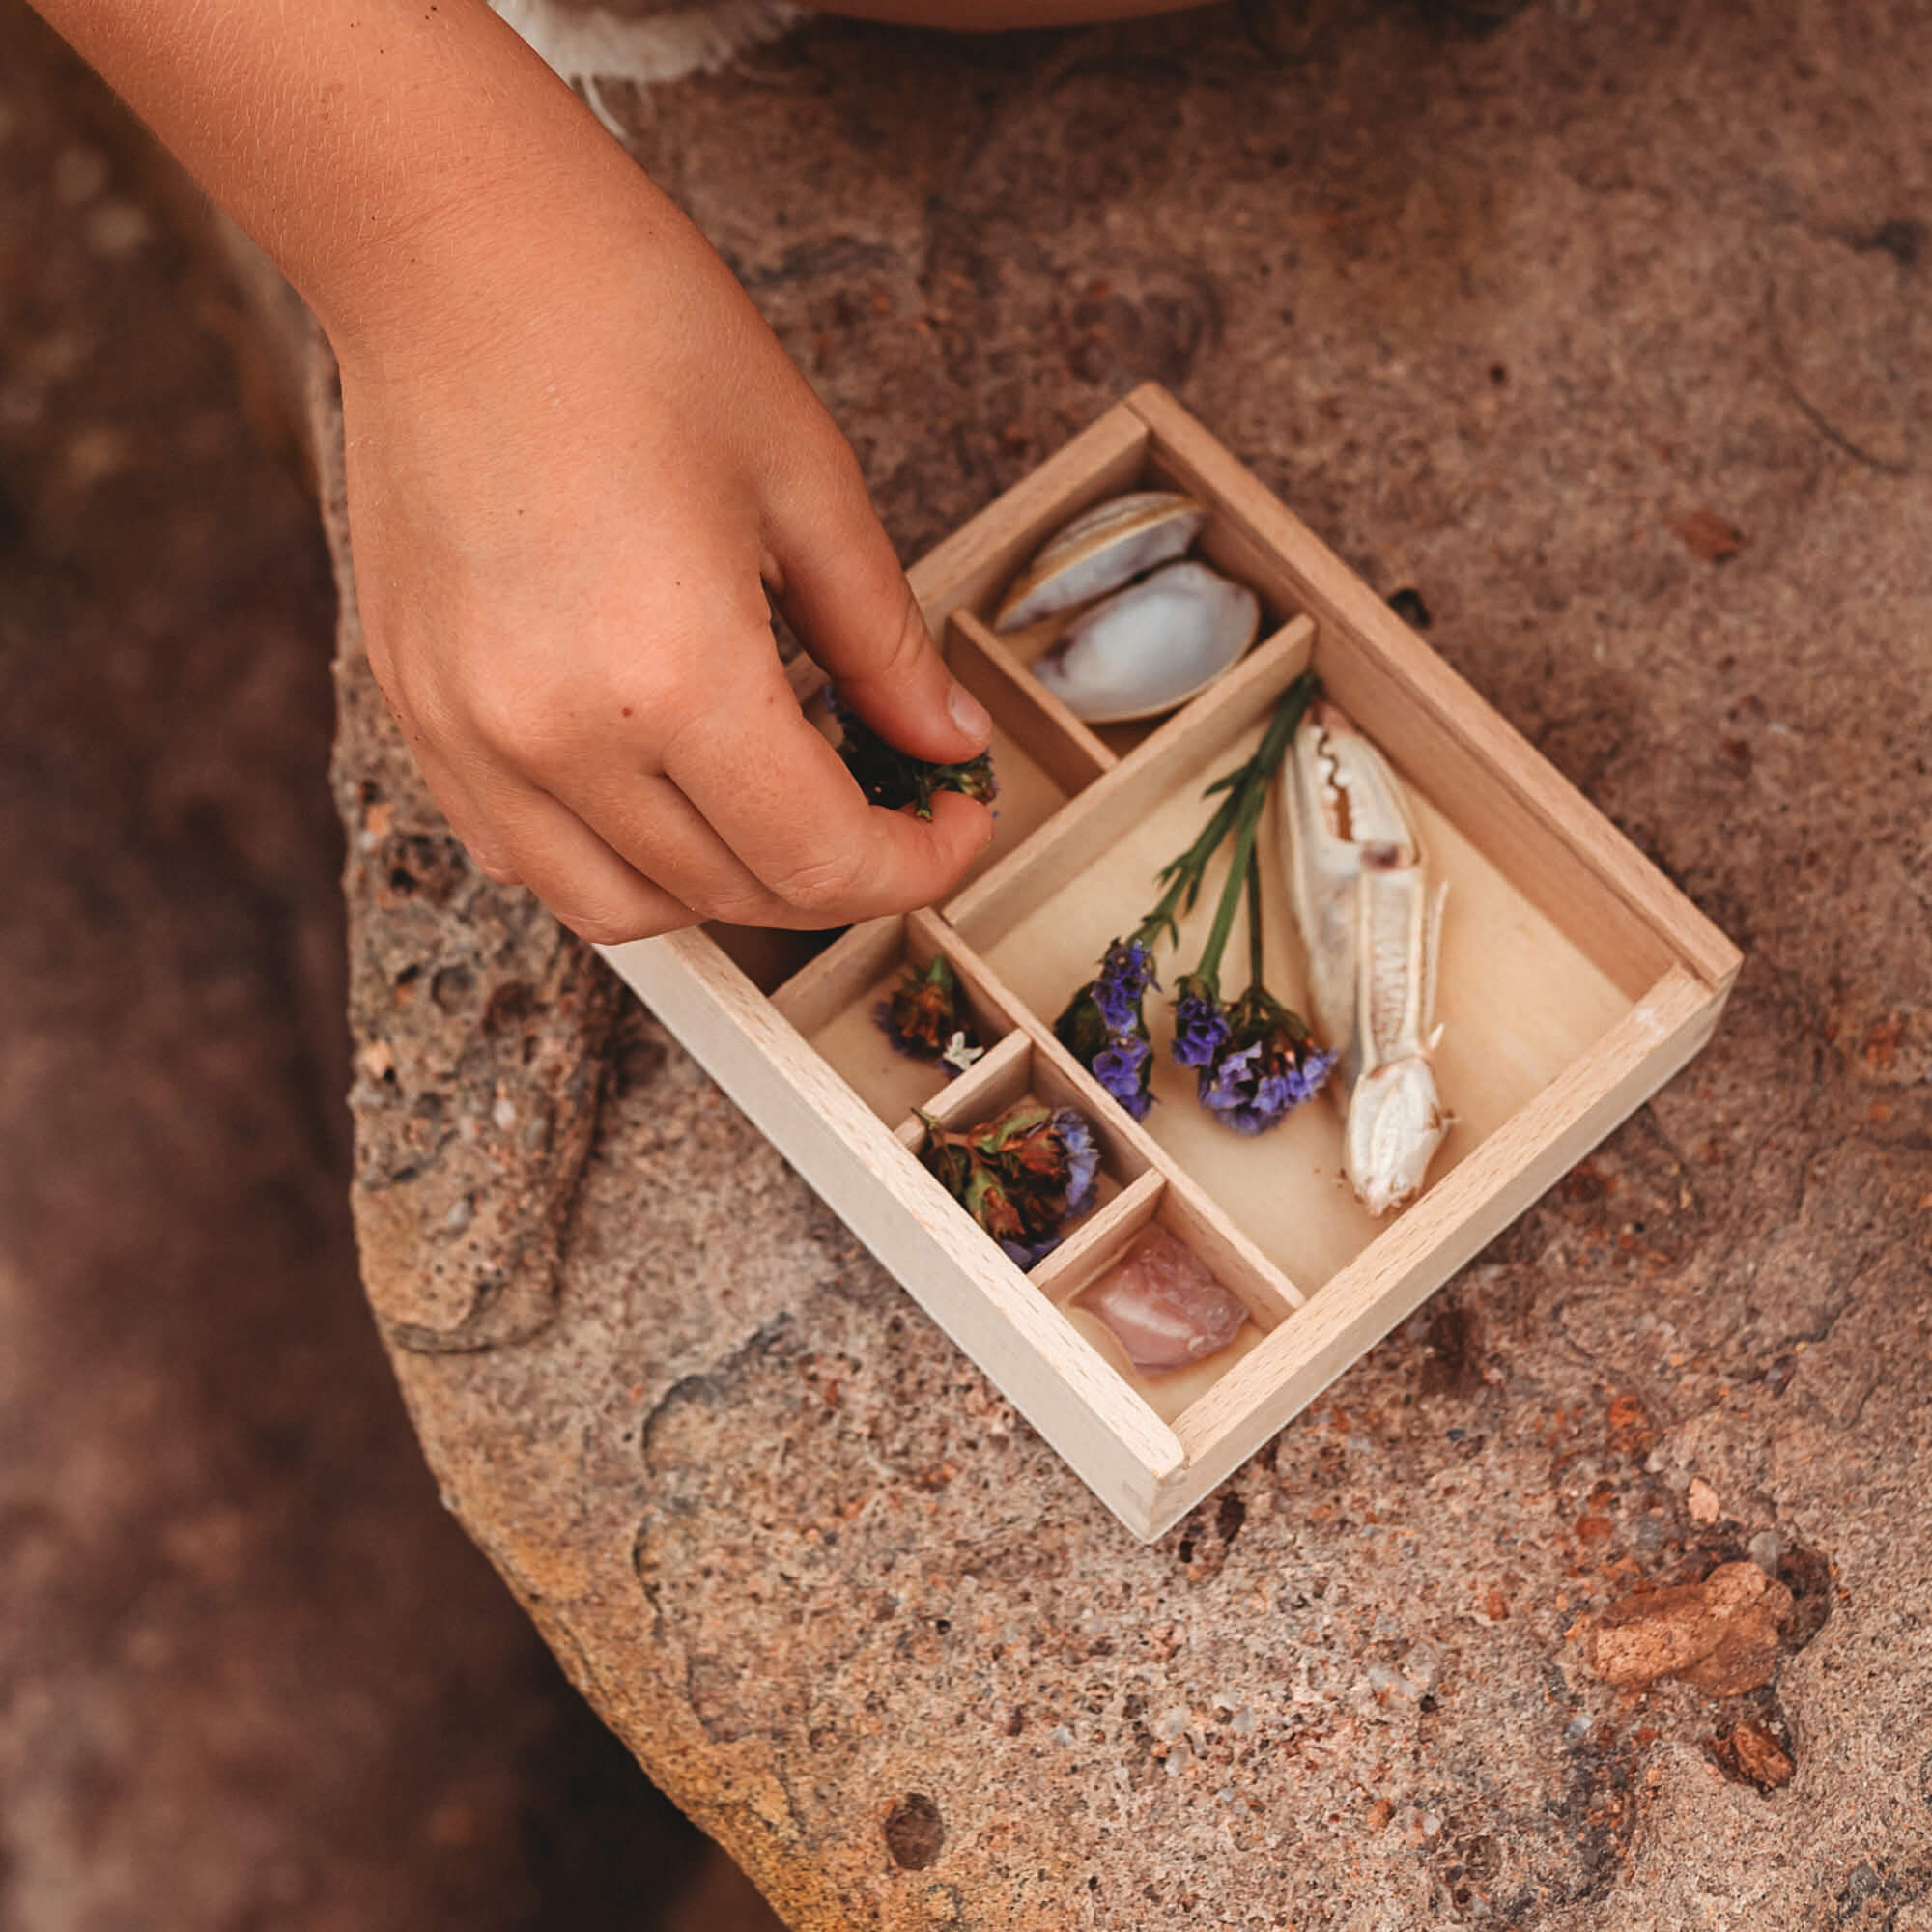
[1361,895]
[1395,1124]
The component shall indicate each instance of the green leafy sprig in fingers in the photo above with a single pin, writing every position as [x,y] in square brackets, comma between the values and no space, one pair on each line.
[895,779]
[1105,1026]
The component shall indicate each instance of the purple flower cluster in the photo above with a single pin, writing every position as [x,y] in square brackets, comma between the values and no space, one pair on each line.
[1081,1156]
[1200,1023]
[1123,1068]
[1022,1177]
[1126,972]
[1104,1029]
[1267,1064]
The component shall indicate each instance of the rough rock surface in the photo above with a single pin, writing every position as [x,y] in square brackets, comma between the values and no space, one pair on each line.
[250,1672]
[1606,330]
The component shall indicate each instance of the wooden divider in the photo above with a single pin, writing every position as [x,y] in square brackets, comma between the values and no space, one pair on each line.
[1035,718]
[1079,833]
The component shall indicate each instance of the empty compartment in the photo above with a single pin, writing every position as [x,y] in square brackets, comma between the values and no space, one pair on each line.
[839,1000]
[1106,1279]
[1518,1001]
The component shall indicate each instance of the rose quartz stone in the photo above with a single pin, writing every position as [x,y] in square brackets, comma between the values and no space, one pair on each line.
[1163,1305]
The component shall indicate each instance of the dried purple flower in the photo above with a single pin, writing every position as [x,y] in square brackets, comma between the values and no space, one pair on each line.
[1269,1066]
[925,1019]
[1200,1022]
[1123,1066]
[1126,972]
[1103,1028]
[895,779]
[1022,1177]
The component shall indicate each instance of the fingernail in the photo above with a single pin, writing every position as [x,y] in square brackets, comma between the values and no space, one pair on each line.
[968,713]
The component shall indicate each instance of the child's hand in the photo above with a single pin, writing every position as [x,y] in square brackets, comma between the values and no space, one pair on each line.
[563,522]
[575,455]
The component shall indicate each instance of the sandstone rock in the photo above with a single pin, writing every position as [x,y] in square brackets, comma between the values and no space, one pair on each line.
[1485,314]
[1758,1756]
[1719,1635]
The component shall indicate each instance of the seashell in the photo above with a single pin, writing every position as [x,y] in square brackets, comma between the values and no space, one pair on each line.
[1100,549]
[1151,646]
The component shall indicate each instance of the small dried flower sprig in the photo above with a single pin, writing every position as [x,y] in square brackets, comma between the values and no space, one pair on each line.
[1104,1025]
[1104,1029]
[895,779]
[1255,1061]
[1022,1177]
[1264,1061]
[924,1018]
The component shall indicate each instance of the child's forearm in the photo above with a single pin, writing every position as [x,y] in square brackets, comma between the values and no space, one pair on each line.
[384,152]
[580,469]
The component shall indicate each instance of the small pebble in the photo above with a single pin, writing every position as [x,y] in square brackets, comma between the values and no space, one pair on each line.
[1408,605]
[1163,1305]
[1702,1501]
[504,1115]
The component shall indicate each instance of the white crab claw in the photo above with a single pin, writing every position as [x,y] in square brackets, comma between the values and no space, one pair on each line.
[1395,1124]
[1370,923]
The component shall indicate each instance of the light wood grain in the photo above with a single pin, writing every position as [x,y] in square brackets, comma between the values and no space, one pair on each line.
[1079,837]
[990,1085]
[974,565]
[1036,719]
[1101,1236]
[843,973]
[1457,1217]
[1558,848]
[1194,1217]
[920,1233]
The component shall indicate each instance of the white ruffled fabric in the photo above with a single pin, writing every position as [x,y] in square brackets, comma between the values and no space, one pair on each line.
[588,46]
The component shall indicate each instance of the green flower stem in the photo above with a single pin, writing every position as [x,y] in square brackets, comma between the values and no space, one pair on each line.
[1246,798]
[1184,875]
[1257,961]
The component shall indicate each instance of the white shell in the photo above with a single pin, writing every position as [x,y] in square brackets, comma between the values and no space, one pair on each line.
[1100,549]
[1152,645]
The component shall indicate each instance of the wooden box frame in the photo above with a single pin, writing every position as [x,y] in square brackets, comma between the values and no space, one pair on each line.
[1624,978]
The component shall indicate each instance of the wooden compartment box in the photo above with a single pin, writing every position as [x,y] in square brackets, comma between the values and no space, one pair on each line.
[1574,980]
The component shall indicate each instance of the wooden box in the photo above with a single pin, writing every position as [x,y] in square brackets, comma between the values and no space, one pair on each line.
[1574,980]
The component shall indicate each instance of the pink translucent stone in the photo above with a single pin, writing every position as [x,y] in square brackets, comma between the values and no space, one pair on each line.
[1163,1305]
